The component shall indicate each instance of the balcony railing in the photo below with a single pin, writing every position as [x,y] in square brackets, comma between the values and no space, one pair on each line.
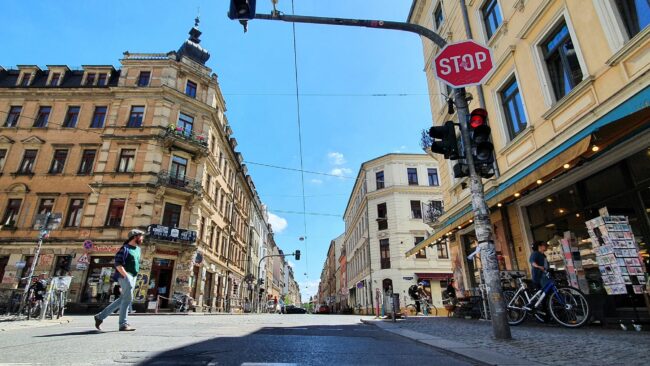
[431,212]
[179,182]
[165,233]
[191,138]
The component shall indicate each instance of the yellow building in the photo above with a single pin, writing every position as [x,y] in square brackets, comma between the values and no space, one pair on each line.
[568,102]
[144,146]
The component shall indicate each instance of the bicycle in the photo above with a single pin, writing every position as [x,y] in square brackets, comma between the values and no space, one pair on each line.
[57,295]
[567,305]
[426,306]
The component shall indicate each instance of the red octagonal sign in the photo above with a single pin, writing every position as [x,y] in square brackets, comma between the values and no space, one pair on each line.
[463,63]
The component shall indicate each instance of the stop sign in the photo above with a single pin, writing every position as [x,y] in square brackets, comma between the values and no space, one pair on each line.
[462,64]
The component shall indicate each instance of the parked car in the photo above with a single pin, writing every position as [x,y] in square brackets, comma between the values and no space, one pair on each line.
[323,309]
[271,306]
[292,309]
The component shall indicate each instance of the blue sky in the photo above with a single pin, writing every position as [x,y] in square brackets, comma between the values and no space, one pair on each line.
[341,70]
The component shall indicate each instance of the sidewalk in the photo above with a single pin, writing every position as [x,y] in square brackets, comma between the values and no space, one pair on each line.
[532,344]
[11,322]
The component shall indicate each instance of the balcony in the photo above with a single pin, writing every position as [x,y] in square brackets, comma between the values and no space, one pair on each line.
[169,234]
[182,183]
[186,140]
[432,211]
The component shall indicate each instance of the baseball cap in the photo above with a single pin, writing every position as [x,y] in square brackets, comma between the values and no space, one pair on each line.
[135,232]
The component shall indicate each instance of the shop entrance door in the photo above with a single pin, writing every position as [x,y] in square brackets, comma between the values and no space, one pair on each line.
[208,291]
[195,288]
[161,280]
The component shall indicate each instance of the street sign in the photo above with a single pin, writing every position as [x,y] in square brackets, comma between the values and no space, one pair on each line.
[88,244]
[463,64]
[83,259]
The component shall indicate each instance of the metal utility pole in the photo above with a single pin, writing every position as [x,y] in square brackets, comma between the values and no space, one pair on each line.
[482,223]
[296,254]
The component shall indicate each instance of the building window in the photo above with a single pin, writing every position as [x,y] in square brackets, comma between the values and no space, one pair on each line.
[172,215]
[25,80]
[87,162]
[513,108]
[71,117]
[382,219]
[635,15]
[438,17]
[127,161]
[22,278]
[27,165]
[416,210]
[58,162]
[179,167]
[90,79]
[143,79]
[422,253]
[412,176]
[562,61]
[101,79]
[3,156]
[13,116]
[11,213]
[115,212]
[99,116]
[201,228]
[432,173]
[135,118]
[45,206]
[74,213]
[185,123]
[384,250]
[190,89]
[379,178]
[443,253]
[208,184]
[54,81]
[42,117]
[491,17]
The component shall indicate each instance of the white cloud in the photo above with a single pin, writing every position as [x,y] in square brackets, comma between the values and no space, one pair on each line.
[316,181]
[336,158]
[400,149]
[277,223]
[308,288]
[341,172]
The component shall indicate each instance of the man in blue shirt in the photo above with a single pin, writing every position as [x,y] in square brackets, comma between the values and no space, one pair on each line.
[127,265]
[539,264]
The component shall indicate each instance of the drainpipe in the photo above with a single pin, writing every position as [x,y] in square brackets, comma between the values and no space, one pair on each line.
[481,96]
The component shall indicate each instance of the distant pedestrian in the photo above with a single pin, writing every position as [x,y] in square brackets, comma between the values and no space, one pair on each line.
[127,265]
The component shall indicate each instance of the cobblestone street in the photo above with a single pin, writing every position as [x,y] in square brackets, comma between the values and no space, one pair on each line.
[542,343]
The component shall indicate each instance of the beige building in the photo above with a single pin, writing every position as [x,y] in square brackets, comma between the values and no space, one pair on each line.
[143,146]
[386,215]
[568,106]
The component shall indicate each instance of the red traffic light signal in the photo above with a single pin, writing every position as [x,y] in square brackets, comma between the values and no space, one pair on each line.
[482,148]
[478,117]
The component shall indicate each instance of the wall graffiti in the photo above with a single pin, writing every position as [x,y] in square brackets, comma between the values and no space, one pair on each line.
[141,288]
[182,280]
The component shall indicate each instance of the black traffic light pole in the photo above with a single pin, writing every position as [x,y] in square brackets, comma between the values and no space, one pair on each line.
[259,265]
[482,223]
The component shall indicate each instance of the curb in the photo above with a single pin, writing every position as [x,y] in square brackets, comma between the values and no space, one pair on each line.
[484,356]
[26,324]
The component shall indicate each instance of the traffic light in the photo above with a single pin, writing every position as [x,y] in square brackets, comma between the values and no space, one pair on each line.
[260,281]
[297,255]
[461,170]
[444,140]
[242,9]
[482,148]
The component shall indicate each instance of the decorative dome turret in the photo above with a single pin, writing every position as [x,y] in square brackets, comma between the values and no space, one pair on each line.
[191,48]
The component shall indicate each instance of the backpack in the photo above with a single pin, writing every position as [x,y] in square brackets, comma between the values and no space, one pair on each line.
[413,292]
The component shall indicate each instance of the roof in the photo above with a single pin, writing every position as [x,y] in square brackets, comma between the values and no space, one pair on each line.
[71,79]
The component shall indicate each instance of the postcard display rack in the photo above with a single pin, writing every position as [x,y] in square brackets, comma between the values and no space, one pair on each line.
[617,255]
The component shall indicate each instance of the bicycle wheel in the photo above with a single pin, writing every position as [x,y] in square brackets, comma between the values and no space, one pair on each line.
[433,310]
[569,307]
[62,299]
[411,310]
[514,307]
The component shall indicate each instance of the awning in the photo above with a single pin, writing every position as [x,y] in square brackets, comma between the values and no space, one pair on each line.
[434,276]
[551,164]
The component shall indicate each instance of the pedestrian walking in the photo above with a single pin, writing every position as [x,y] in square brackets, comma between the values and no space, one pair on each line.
[127,265]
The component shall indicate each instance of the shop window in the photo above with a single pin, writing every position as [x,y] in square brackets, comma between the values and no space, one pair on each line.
[604,184]
[11,212]
[71,117]
[416,209]
[115,212]
[560,56]
[58,161]
[74,213]
[54,81]
[379,179]
[384,250]
[443,251]
[513,108]
[99,116]
[638,164]
[87,162]
[382,219]
[432,173]
[29,260]
[136,116]
[98,287]
[45,206]
[491,13]
[127,161]
[143,78]
[13,116]
[190,89]
[422,253]
[185,123]
[635,15]
[412,174]
[172,215]
[42,117]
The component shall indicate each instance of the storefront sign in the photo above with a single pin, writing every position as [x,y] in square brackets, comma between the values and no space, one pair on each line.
[161,232]
[408,278]
[105,249]
[167,252]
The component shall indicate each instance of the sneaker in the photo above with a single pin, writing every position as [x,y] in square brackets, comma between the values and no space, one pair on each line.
[126,328]
[98,323]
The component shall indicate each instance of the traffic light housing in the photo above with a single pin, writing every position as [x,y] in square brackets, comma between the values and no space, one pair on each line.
[444,140]
[297,255]
[242,9]
[482,148]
